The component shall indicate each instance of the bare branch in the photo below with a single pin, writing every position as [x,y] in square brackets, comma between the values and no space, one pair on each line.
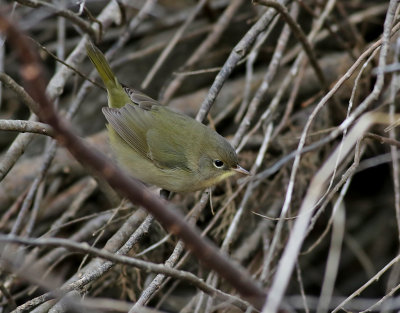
[133,190]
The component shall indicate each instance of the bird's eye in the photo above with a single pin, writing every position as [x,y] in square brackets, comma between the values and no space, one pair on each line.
[218,163]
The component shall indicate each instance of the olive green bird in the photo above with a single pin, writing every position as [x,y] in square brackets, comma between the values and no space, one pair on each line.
[159,146]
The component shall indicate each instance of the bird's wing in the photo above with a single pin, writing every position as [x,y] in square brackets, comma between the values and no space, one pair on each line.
[165,151]
[150,134]
[131,126]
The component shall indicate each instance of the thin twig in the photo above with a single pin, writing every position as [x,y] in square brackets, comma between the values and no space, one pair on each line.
[289,257]
[26,126]
[239,51]
[373,279]
[273,169]
[298,32]
[267,80]
[172,43]
[215,34]
[120,259]
[59,60]
[133,190]
[69,15]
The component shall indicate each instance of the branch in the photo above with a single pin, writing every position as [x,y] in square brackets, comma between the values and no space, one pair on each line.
[23,126]
[205,251]
[298,32]
[121,259]
[69,15]
[20,91]
[236,55]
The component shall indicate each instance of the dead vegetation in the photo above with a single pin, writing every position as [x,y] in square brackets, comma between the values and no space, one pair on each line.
[303,89]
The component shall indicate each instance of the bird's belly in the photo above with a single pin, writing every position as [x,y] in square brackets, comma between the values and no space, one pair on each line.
[171,180]
[175,180]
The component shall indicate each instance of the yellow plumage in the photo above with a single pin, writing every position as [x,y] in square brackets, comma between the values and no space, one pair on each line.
[160,146]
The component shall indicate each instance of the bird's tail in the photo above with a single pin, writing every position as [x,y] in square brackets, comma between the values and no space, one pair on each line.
[117,96]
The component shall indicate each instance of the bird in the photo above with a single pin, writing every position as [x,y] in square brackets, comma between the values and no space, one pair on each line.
[157,145]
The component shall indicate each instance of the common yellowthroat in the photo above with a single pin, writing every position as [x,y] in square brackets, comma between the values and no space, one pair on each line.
[159,146]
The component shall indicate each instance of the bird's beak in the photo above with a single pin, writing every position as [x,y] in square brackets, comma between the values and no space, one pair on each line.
[241,170]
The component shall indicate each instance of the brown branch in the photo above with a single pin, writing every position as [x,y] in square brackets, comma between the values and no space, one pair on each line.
[382,139]
[204,250]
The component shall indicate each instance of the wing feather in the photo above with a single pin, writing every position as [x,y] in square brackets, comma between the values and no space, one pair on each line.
[129,127]
[165,151]
[151,134]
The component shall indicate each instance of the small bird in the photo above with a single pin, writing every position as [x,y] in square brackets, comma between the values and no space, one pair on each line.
[159,146]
